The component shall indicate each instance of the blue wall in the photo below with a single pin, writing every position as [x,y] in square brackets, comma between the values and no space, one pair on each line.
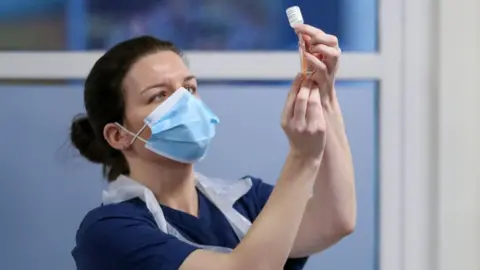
[46,188]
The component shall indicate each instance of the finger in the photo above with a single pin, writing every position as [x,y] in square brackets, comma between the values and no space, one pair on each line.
[297,83]
[289,105]
[308,30]
[329,52]
[316,35]
[314,109]
[319,56]
[306,38]
[329,55]
[315,64]
[301,100]
[325,39]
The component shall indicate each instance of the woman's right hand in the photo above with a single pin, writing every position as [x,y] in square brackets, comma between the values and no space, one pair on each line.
[303,120]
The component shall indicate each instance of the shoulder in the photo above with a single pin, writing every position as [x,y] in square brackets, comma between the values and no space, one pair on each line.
[134,209]
[120,235]
[105,227]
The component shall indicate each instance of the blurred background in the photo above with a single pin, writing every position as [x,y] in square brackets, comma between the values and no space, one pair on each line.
[410,111]
[191,25]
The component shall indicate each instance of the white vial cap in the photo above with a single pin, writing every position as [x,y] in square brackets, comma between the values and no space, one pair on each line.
[294,15]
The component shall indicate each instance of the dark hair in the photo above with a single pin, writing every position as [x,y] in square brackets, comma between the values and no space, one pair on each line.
[104,102]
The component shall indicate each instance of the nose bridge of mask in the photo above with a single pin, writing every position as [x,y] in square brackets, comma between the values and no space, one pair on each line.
[224,194]
[163,109]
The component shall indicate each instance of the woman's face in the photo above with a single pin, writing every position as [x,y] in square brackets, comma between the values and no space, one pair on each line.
[150,81]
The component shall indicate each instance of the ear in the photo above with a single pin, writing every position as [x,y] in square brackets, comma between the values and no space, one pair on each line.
[116,137]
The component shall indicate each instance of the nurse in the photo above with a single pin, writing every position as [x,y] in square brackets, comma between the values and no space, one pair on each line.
[147,126]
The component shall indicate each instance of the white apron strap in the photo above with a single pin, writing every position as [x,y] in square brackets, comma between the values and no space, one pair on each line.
[223,194]
[125,188]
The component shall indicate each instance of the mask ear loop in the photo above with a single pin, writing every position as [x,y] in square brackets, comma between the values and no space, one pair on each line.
[135,136]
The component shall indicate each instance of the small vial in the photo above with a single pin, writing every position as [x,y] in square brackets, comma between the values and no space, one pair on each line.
[295,17]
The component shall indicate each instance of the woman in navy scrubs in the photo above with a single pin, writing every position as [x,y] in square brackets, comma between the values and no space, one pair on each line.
[147,126]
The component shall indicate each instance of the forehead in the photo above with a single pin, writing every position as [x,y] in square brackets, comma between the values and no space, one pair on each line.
[159,67]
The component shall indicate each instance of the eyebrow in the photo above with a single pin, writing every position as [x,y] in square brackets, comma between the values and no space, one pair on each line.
[187,78]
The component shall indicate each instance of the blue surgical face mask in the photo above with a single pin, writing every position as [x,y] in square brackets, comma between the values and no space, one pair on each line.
[182,128]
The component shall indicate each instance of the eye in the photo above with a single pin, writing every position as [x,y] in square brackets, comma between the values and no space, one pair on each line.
[160,96]
[191,89]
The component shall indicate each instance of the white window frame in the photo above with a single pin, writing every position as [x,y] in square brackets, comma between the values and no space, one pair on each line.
[404,242]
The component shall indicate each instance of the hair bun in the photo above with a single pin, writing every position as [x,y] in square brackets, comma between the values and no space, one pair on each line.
[84,139]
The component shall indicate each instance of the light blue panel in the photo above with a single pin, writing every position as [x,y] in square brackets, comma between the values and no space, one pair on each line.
[46,189]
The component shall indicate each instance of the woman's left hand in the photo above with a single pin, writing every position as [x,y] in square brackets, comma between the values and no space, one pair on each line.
[322,54]
[331,212]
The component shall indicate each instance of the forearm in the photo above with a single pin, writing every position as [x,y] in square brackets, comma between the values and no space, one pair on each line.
[268,243]
[331,213]
[334,202]
[338,156]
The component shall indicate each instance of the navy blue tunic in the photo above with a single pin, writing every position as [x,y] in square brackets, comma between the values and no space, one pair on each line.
[125,236]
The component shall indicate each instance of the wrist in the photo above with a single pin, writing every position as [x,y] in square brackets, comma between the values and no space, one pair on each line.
[330,101]
[333,113]
[302,159]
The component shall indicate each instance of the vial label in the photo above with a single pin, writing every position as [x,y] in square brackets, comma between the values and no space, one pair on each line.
[294,15]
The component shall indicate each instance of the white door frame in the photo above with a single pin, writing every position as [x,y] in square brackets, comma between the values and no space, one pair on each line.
[418,78]
[457,96]
[441,172]
[404,170]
